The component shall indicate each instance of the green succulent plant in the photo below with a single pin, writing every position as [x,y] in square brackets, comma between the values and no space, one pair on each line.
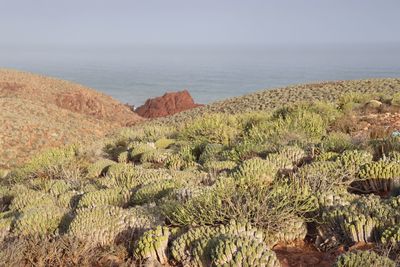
[363,258]
[123,157]
[113,197]
[363,220]
[31,198]
[211,153]
[106,224]
[158,156]
[255,170]
[153,191]
[39,220]
[139,149]
[152,246]
[352,160]
[238,251]
[164,143]
[327,156]
[380,176]
[99,167]
[219,166]
[197,239]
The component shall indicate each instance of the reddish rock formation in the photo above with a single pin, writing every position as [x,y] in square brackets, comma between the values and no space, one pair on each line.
[168,104]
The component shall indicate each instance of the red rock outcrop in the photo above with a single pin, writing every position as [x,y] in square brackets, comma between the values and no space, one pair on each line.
[168,104]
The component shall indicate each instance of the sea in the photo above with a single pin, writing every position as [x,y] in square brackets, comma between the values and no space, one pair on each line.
[134,73]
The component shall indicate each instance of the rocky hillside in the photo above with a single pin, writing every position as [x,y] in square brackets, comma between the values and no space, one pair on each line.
[37,112]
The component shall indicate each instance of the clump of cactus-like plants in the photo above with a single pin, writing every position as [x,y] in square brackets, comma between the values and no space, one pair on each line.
[99,167]
[327,156]
[139,149]
[363,258]
[256,170]
[123,157]
[30,198]
[391,236]
[104,224]
[381,176]
[152,246]
[219,166]
[164,143]
[238,251]
[113,196]
[158,156]
[287,158]
[210,152]
[199,246]
[153,191]
[39,220]
[352,160]
[363,220]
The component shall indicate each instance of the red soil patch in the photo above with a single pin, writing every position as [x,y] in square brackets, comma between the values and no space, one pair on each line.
[168,104]
[303,254]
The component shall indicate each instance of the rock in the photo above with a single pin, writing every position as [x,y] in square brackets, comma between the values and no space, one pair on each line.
[166,105]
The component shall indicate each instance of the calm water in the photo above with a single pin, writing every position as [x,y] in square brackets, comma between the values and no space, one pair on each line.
[133,74]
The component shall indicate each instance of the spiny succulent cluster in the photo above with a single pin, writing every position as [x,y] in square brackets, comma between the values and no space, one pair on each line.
[164,143]
[99,167]
[105,224]
[256,170]
[287,158]
[211,152]
[158,156]
[152,246]
[354,159]
[139,149]
[113,196]
[327,156]
[391,236]
[295,229]
[219,166]
[153,191]
[380,176]
[363,258]
[39,220]
[30,198]
[237,251]
[195,246]
[363,220]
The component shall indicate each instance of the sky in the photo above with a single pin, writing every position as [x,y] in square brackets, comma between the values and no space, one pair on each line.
[176,22]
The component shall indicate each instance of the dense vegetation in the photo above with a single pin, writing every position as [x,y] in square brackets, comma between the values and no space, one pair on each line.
[221,190]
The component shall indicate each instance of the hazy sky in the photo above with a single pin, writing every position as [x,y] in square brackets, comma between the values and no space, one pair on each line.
[198,22]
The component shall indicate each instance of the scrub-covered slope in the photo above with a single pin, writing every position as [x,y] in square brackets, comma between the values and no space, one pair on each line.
[38,112]
[293,186]
[273,98]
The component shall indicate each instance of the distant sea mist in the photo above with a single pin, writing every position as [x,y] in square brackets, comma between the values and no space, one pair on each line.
[132,74]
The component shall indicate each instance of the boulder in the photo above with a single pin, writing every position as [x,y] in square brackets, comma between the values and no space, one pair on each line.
[166,105]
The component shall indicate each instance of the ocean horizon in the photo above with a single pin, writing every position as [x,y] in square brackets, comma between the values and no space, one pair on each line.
[133,74]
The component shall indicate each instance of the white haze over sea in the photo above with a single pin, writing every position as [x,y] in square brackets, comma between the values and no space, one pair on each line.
[132,74]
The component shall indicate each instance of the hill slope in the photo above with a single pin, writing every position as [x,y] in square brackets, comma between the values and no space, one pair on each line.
[274,98]
[37,112]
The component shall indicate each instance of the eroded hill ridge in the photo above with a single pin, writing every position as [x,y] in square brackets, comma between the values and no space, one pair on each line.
[37,112]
